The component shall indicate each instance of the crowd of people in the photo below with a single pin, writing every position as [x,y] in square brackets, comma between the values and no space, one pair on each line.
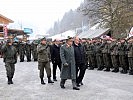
[72,56]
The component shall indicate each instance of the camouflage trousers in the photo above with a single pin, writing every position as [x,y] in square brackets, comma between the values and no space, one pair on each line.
[46,65]
[10,69]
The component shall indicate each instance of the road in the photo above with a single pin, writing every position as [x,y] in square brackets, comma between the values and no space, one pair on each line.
[98,85]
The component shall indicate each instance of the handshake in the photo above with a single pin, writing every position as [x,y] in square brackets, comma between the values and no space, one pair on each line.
[65,65]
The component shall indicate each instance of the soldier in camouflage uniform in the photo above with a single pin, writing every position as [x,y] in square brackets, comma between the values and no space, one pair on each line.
[99,57]
[44,60]
[122,47]
[28,51]
[114,55]
[106,54]
[10,59]
[91,54]
[21,50]
[130,55]
[34,50]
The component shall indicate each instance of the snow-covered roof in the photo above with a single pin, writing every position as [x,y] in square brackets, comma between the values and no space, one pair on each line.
[93,33]
[64,35]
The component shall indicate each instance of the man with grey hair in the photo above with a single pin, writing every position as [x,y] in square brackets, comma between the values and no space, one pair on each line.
[79,53]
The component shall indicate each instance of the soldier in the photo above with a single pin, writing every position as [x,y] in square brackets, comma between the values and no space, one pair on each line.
[122,47]
[28,51]
[99,56]
[91,54]
[106,55]
[10,59]
[15,44]
[44,60]
[68,70]
[34,50]
[114,55]
[21,49]
[130,55]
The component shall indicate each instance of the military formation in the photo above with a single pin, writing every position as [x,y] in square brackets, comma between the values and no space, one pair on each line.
[110,54]
[72,56]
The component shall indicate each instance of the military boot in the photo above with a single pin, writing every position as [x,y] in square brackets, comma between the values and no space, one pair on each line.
[131,72]
[9,80]
[42,81]
[115,70]
[49,80]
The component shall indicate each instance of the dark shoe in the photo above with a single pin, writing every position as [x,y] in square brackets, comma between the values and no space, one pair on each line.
[100,68]
[115,70]
[76,88]
[55,79]
[62,86]
[81,83]
[107,70]
[124,71]
[91,68]
[78,85]
[9,81]
[50,81]
[42,81]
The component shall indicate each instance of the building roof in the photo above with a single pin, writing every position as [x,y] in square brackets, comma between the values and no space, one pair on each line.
[94,33]
[5,20]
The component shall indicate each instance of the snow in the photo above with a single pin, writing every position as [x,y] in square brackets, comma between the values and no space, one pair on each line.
[98,85]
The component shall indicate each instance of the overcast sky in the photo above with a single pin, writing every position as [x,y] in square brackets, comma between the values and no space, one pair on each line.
[37,14]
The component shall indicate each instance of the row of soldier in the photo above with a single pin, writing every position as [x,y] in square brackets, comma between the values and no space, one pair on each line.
[109,53]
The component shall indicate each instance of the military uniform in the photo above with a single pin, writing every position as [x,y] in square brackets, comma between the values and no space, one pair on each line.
[122,57]
[10,59]
[44,61]
[99,56]
[130,57]
[106,56]
[34,50]
[91,55]
[28,51]
[115,56]
[21,49]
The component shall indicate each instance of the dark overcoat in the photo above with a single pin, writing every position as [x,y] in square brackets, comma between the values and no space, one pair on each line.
[67,56]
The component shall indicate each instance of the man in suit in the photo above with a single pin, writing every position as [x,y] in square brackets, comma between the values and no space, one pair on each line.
[68,70]
[55,57]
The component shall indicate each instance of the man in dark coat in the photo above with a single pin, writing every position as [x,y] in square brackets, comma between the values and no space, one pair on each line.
[55,57]
[79,60]
[10,59]
[68,70]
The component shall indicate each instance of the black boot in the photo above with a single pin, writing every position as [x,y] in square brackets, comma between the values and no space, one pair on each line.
[130,72]
[76,88]
[115,70]
[42,81]
[49,80]
[9,80]
[62,84]
[107,69]
[124,71]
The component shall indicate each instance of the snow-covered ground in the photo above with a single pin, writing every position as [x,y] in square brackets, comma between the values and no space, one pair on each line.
[97,85]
